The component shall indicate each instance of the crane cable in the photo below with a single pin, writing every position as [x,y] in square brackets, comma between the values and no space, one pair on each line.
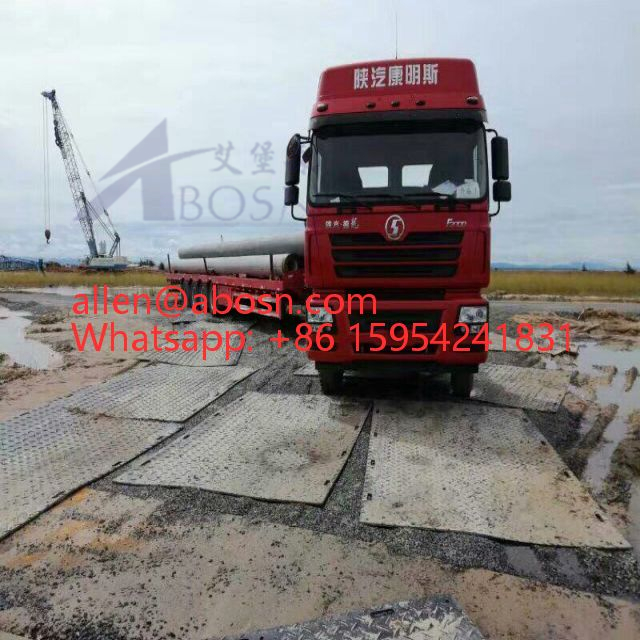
[46,187]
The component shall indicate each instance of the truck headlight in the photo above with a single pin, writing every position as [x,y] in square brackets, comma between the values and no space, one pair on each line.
[319,316]
[473,315]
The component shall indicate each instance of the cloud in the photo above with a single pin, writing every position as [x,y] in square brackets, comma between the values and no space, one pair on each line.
[627,186]
[558,79]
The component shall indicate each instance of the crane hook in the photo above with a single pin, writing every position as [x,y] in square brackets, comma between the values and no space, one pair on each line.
[47,235]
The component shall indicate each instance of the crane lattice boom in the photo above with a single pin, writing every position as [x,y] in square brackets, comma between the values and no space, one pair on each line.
[86,212]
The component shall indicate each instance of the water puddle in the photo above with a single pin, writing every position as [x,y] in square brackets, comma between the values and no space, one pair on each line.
[591,360]
[606,368]
[23,350]
[633,516]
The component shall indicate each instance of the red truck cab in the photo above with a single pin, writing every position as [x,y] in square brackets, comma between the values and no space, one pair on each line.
[398,208]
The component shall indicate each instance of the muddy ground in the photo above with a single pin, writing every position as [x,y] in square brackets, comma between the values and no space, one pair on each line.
[118,561]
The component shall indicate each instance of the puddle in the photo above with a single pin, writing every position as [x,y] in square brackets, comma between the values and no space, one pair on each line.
[590,358]
[524,560]
[633,515]
[601,362]
[21,349]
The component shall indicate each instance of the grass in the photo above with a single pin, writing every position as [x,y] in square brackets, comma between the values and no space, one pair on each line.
[604,284]
[132,278]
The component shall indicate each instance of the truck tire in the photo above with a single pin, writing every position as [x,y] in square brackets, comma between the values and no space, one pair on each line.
[461,383]
[330,379]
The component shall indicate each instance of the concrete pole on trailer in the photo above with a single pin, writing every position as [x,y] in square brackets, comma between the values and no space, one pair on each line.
[283,244]
[264,266]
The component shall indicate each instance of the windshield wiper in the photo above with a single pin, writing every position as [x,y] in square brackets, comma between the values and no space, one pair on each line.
[435,195]
[347,196]
[373,196]
[440,200]
[449,200]
[395,196]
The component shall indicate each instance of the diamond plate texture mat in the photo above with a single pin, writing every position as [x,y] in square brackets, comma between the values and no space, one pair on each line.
[158,392]
[185,318]
[478,469]
[501,343]
[523,387]
[247,321]
[222,341]
[505,385]
[269,446]
[49,452]
[439,618]
[309,370]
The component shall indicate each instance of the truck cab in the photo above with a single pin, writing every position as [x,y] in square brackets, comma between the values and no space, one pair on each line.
[398,212]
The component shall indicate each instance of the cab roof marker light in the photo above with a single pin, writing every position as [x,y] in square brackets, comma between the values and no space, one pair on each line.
[322,106]
[472,100]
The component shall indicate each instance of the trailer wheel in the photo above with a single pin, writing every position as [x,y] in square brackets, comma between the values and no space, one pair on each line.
[209,293]
[186,287]
[330,379]
[199,289]
[461,383]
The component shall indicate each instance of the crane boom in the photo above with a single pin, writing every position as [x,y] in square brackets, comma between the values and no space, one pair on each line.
[86,212]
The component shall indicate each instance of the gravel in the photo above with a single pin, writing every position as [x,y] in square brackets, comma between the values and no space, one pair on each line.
[598,571]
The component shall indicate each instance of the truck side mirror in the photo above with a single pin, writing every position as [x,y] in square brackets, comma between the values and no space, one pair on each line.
[499,158]
[292,167]
[501,191]
[291,195]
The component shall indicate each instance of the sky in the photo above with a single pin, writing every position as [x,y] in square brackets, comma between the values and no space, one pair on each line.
[560,79]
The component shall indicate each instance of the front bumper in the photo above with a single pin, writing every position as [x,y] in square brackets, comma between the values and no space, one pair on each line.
[351,350]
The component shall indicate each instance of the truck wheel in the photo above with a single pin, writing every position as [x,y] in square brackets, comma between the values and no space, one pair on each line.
[330,379]
[461,383]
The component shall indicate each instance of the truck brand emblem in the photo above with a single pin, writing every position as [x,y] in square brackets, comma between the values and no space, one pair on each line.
[394,227]
[458,224]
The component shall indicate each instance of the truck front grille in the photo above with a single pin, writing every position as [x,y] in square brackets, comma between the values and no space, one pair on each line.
[397,271]
[396,255]
[422,254]
[377,239]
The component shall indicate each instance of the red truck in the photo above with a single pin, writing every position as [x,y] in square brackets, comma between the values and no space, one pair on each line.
[397,208]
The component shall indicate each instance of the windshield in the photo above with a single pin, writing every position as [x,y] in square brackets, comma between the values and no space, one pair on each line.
[398,161]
